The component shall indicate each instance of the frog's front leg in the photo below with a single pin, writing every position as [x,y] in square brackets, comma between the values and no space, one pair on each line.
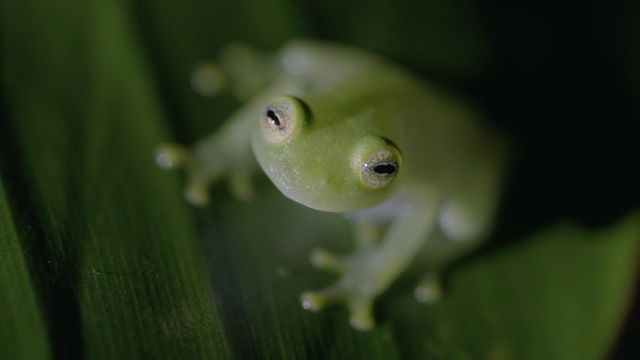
[227,152]
[368,234]
[369,271]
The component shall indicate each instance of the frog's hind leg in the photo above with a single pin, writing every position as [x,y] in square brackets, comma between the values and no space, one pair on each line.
[434,259]
[466,217]
[438,254]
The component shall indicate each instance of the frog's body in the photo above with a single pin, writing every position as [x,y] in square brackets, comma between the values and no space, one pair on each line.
[348,132]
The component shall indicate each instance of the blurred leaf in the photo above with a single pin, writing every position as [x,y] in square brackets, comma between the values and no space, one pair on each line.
[23,332]
[120,247]
[559,294]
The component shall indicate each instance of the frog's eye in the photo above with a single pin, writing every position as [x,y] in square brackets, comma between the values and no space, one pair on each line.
[281,118]
[380,167]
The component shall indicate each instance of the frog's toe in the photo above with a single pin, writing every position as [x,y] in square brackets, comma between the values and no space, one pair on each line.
[429,290]
[313,301]
[360,305]
[197,194]
[320,299]
[328,261]
[171,156]
[361,316]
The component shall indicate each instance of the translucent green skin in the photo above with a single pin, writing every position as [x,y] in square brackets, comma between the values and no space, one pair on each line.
[319,166]
[346,104]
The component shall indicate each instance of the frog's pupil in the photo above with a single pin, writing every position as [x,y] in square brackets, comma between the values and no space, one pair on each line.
[273,117]
[385,169]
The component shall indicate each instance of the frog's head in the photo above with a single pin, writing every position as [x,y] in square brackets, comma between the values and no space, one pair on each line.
[325,165]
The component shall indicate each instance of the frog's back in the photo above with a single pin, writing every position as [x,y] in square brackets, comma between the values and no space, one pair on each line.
[432,128]
[437,132]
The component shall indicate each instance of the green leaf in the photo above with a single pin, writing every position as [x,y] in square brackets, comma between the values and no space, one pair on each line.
[23,333]
[558,294]
[124,254]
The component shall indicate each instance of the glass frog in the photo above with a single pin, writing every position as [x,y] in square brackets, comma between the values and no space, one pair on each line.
[339,129]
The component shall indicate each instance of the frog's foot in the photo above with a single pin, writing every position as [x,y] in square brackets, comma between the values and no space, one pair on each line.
[360,307]
[171,156]
[241,69]
[247,69]
[357,287]
[429,290]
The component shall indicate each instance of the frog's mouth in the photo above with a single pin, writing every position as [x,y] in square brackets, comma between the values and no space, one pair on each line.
[324,187]
[327,179]
[319,192]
